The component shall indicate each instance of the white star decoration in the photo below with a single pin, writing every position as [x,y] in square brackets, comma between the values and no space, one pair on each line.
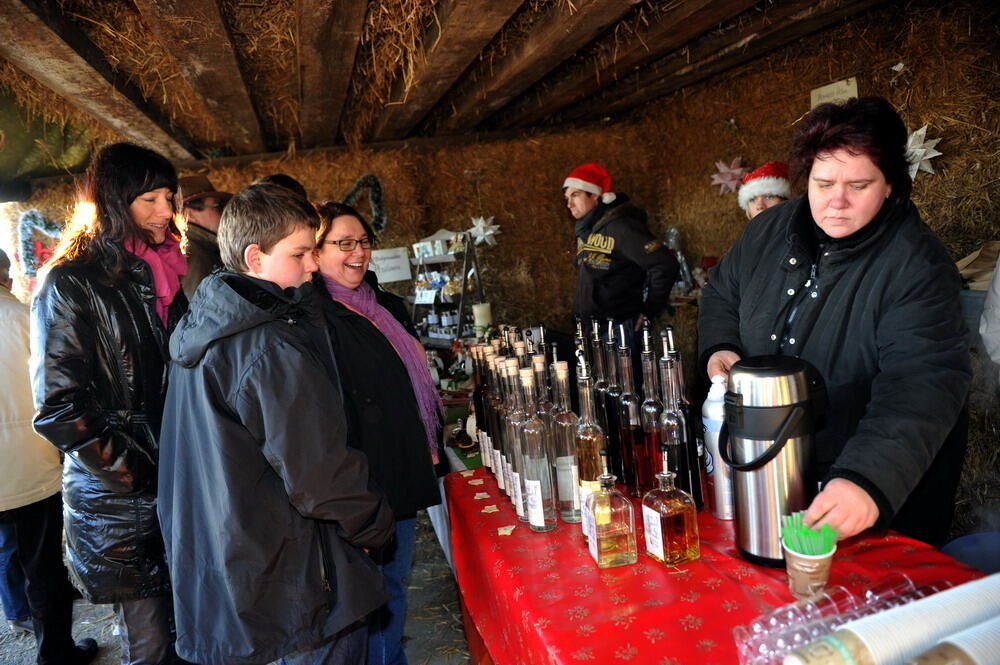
[728,177]
[919,152]
[483,231]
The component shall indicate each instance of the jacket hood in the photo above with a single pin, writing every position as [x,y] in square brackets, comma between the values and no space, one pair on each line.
[228,303]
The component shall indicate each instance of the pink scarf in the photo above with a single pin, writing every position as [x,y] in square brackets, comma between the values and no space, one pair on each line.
[168,265]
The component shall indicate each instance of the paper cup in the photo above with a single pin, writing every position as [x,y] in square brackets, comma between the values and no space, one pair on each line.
[807,573]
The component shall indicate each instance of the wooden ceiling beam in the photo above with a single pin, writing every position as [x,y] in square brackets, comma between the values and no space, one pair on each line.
[329,32]
[564,30]
[677,26]
[716,53]
[39,42]
[196,36]
[460,31]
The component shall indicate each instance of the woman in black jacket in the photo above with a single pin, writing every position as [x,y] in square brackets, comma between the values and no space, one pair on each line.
[849,278]
[100,322]
[393,408]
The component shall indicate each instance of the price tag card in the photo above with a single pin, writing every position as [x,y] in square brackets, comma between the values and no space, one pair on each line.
[425,296]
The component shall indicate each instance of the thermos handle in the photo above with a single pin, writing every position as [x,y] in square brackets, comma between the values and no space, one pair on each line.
[790,424]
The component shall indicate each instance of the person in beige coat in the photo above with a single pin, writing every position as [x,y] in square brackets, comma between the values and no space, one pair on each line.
[30,499]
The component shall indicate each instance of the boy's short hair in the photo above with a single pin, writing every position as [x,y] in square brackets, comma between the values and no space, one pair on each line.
[261,214]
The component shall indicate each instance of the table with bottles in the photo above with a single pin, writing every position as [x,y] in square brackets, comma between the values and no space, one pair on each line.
[552,562]
[532,598]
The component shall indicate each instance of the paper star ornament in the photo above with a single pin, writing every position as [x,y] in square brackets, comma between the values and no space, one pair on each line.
[919,152]
[484,231]
[729,175]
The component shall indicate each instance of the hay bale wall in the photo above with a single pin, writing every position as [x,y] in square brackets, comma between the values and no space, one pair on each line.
[663,157]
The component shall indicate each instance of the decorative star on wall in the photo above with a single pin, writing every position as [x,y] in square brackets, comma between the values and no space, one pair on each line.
[919,152]
[484,231]
[728,177]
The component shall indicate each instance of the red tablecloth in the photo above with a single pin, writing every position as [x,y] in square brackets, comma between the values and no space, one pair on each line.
[539,598]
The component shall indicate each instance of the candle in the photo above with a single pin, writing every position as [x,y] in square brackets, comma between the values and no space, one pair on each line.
[482,315]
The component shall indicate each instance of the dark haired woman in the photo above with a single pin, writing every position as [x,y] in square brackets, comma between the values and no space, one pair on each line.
[849,278]
[100,322]
[393,408]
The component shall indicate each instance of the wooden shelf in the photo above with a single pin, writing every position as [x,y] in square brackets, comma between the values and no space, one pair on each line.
[440,258]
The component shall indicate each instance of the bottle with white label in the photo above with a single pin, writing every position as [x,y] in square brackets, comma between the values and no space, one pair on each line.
[514,420]
[720,481]
[670,520]
[611,523]
[564,423]
[540,500]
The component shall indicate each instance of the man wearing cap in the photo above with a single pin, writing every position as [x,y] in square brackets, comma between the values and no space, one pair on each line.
[624,272]
[202,209]
[764,187]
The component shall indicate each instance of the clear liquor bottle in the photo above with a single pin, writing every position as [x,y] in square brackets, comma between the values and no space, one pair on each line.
[611,520]
[652,408]
[595,360]
[521,353]
[540,500]
[612,405]
[512,437]
[629,420]
[543,406]
[670,521]
[479,399]
[497,410]
[590,439]
[564,427]
[490,401]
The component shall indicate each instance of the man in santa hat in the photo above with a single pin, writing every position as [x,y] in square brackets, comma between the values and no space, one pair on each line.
[764,187]
[625,272]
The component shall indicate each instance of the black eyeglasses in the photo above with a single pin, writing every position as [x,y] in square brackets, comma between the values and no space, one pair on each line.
[201,205]
[348,244]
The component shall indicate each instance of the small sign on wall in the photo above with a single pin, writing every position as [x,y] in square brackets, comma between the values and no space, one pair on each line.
[837,92]
[391,265]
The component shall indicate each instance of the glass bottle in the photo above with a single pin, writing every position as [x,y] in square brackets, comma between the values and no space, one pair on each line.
[497,411]
[512,437]
[543,406]
[590,439]
[629,420]
[540,500]
[611,520]
[651,408]
[612,404]
[596,362]
[673,432]
[564,426]
[693,444]
[521,353]
[670,521]
[479,393]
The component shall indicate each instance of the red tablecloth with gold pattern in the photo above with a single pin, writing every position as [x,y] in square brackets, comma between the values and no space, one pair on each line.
[538,598]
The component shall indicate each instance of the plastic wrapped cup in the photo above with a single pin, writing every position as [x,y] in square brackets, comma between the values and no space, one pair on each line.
[807,573]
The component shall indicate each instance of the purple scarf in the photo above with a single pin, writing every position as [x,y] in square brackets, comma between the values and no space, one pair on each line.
[362,300]
[167,265]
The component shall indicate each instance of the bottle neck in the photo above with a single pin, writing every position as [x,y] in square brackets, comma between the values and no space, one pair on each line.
[586,389]
[611,366]
[597,360]
[541,388]
[561,386]
[668,379]
[625,362]
[649,377]
[530,397]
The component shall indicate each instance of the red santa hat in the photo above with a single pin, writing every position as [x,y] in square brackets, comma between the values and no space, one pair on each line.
[591,177]
[768,178]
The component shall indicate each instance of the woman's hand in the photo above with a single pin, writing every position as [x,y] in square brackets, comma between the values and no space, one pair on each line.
[721,361]
[844,506]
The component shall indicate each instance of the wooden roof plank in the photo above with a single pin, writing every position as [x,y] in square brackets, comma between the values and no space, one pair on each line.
[717,53]
[680,24]
[460,32]
[329,32]
[59,56]
[557,36]
[207,59]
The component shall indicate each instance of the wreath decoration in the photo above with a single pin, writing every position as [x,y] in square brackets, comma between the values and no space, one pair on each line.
[373,185]
[33,252]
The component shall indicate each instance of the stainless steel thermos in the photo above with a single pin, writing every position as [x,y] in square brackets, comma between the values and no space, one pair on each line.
[770,411]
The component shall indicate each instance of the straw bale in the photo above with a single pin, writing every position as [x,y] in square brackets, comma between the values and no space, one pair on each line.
[391,41]
[263,34]
[41,102]
[120,31]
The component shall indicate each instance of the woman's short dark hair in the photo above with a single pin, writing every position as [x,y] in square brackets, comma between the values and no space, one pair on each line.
[868,126]
[261,214]
[330,210]
[117,175]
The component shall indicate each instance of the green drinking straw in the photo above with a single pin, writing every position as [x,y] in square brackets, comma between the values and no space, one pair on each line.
[806,540]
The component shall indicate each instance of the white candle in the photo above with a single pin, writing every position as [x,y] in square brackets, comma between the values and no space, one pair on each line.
[482,315]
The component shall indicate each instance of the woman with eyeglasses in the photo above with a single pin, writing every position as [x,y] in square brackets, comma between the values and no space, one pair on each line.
[393,408]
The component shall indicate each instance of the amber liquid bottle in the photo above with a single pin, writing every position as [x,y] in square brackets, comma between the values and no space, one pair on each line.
[611,520]
[670,521]
[693,448]
[590,439]
[651,409]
